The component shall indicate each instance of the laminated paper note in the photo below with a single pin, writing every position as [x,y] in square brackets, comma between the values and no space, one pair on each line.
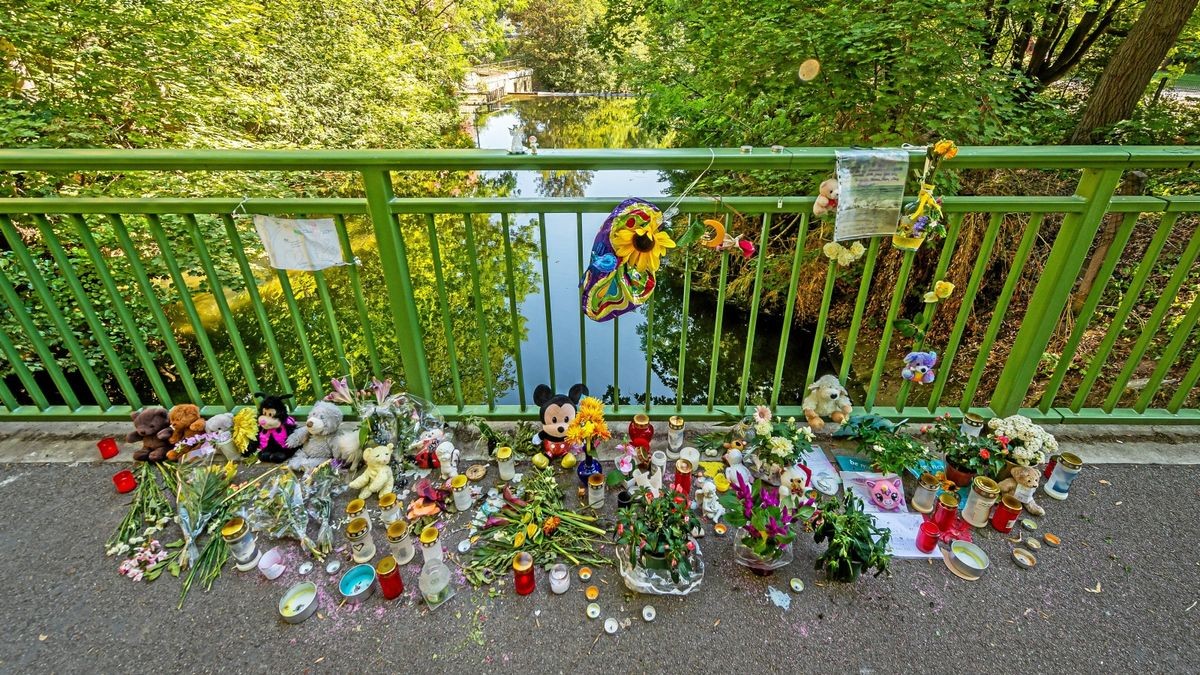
[305,244]
[903,542]
[871,189]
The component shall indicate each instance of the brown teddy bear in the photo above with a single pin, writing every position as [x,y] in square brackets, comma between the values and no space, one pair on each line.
[152,427]
[1021,483]
[186,422]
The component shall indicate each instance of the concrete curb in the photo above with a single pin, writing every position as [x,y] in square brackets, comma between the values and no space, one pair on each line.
[75,442]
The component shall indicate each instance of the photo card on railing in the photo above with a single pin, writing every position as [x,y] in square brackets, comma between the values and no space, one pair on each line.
[871,185]
[303,244]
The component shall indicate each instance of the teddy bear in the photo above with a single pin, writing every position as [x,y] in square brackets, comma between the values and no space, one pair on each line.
[826,398]
[918,367]
[319,439]
[275,426]
[376,477]
[186,422]
[827,197]
[1021,483]
[151,426]
[231,432]
[557,411]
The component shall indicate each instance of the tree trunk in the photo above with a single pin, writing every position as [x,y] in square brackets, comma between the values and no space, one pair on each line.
[1133,184]
[1128,73]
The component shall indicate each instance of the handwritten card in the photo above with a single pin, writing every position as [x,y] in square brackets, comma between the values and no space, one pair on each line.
[903,542]
[305,244]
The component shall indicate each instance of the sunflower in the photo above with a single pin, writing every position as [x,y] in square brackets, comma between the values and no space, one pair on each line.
[641,246]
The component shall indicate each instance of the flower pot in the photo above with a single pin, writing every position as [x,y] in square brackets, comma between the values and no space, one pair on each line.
[960,476]
[907,243]
[640,578]
[760,565]
[654,561]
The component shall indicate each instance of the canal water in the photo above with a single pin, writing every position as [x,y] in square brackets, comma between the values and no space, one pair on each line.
[612,123]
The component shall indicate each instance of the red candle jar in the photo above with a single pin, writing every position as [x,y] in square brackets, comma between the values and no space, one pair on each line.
[1006,514]
[108,448]
[124,481]
[946,511]
[641,432]
[1049,467]
[523,573]
[683,477]
[388,573]
[927,536]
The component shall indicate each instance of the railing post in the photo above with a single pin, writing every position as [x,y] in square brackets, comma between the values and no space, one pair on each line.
[1053,289]
[394,259]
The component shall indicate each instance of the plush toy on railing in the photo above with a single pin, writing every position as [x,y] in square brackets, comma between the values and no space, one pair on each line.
[826,398]
[152,427]
[320,439]
[275,424]
[827,199]
[918,367]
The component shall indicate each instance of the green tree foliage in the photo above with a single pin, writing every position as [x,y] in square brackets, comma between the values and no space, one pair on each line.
[557,39]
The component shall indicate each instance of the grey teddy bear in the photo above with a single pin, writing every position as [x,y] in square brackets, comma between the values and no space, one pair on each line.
[318,440]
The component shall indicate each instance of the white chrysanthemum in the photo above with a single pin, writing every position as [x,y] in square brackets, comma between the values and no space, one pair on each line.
[763,428]
[807,433]
[780,445]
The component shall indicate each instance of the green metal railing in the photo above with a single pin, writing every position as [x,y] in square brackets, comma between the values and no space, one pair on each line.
[163,246]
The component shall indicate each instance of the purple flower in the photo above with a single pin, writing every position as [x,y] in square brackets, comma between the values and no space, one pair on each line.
[769,497]
[341,391]
[381,389]
[741,489]
[919,224]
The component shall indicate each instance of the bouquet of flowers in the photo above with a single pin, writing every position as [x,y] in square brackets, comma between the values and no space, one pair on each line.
[588,427]
[148,554]
[656,533]
[320,488]
[1022,441]
[777,443]
[923,217]
[278,510]
[765,524]
[149,512]
[977,454]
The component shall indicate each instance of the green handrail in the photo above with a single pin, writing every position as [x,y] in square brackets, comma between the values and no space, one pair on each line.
[43,350]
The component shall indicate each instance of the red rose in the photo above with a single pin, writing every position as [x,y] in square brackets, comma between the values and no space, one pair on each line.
[984,453]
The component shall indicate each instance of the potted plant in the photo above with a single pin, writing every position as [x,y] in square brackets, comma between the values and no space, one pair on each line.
[765,535]
[777,444]
[856,544]
[966,456]
[891,451]
[655,544]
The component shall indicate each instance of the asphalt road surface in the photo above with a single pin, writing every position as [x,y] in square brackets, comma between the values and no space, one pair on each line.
[1119,595]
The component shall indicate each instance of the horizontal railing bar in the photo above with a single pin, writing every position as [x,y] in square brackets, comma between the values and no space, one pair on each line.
[179,205]
[348,206]
[796,158]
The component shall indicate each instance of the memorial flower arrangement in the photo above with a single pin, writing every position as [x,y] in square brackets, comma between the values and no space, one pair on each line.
[657,533]
[1022,441]
[777,443]
[766,525]
[891,451]
[922,218]
[980,455]
[149,511]
[856,543]
[588,427]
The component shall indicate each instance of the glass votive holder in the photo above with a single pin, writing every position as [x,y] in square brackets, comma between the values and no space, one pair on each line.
[560,579]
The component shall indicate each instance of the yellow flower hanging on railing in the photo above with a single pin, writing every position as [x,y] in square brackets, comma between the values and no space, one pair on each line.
[941,291]
[844,256]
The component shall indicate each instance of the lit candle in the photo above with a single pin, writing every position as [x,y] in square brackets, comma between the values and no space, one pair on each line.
[523,573]
[124,481]
[431,545]
[357,508]
[683,477]
[596,491]
[400,542]
[389,509]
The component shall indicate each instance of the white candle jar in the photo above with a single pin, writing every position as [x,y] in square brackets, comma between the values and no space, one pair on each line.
[505,463]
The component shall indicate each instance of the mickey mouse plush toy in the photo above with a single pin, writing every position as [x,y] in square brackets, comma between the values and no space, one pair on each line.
[557,413]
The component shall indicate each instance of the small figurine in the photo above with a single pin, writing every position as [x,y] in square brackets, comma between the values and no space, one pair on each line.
[733,457]
[447,456]
[649,480]
[918,367]
[557,411]
[376,477]
[826,398]
[827,199]
[517,145]
[424,449]
[533,146]
[1021,483]
[710,505]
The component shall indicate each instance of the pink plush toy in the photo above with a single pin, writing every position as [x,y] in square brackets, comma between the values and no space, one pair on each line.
[918,367]
[887,493]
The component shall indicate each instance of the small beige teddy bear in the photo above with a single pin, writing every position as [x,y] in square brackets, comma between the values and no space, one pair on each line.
[377,477]
[827,200]
[826,398]
[1021,484]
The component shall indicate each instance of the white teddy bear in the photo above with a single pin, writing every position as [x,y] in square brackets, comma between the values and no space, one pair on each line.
[826,398]
[377,477]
